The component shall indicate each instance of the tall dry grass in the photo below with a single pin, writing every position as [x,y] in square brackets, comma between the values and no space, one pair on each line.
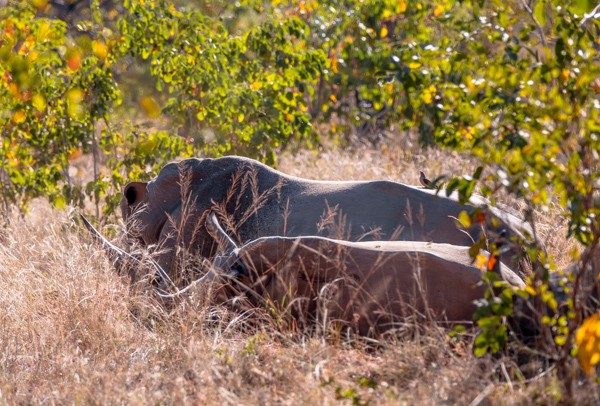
[72,331]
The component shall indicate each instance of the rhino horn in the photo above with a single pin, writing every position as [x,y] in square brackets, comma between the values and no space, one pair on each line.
[228,254]
[119,257]
[226,244]
[114,253]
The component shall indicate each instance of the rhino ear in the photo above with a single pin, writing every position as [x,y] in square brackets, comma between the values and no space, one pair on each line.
[134,194]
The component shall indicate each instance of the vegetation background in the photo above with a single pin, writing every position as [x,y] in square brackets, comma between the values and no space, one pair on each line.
[95,93]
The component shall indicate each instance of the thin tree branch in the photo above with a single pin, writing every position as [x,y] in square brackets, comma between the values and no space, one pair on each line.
[591,14]
[536,22]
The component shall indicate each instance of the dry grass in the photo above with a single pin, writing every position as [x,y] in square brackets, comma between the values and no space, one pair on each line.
[71,331]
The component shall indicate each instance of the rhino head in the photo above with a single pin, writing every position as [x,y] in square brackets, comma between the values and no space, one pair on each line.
[122,259]
[226,265]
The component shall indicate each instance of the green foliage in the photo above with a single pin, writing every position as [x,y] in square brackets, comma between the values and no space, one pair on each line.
[130,156]
[58,94]
[491,315]
[53,89]
[524,99]
[229,93]
[521,92]
[374,67]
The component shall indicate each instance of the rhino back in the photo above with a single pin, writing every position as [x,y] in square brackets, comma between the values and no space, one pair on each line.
[260,201]
[375,210]
[376,284]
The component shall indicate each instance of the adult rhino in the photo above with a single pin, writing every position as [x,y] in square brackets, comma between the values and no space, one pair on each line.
[370,287]
[258,201]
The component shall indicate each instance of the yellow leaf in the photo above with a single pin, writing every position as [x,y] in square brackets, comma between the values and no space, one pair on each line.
[59,202]
[75,95]
[40,4]
[480,260]
[19,117]
[100,49]
[427,97]
[464,219]
[401,6]
[74,106]
[438,10]
[414,65]
[467,133]
[588,351]
[560,340]
[333,62]
[24,48]
[241,117]
[33,56]
[9,30]
[529,289]
[13,89]
[44,31]
[150,106]
[384,32]
[255,85]
[39,102]
[27,45]
[201,115]
[307,6]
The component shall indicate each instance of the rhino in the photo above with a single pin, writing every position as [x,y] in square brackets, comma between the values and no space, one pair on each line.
[370,287]
[169,212]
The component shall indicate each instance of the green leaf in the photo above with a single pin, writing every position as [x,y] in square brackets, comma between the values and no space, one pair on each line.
[560,340]
[465,219]
[59,202]
[580,7]
[480,351]
[539,12]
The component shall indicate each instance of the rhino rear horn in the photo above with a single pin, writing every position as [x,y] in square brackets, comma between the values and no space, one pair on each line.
[227,257]
[215,230]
